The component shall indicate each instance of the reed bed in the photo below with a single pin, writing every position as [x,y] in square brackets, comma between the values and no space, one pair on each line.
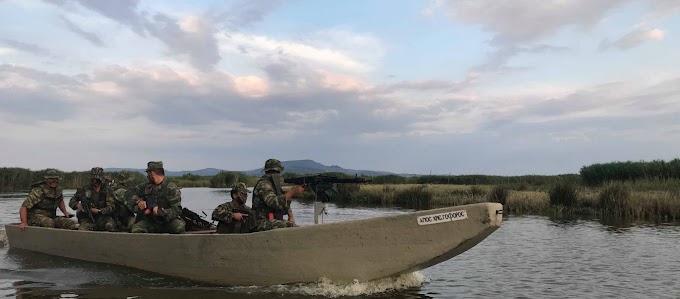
[611,200]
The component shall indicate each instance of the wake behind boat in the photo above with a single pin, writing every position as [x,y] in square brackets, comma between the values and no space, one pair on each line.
[364,249]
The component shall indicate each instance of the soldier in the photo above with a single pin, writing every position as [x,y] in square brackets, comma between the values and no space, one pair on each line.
[269,200]
[101,202]
[159,203]
[235,217]
[40,208]
[124,214]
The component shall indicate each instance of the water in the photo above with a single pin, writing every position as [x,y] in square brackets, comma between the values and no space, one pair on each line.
[528,257]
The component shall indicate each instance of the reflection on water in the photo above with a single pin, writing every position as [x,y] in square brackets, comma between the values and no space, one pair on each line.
[529,257]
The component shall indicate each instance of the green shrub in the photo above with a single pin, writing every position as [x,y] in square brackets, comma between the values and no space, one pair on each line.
[477,191]
[417,197]
[499,194]
[563,194]
[615,200]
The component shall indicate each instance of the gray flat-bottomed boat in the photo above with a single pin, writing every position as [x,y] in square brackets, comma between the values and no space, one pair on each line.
[343,251]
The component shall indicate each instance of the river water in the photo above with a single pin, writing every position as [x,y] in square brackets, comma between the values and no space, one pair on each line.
[528,257]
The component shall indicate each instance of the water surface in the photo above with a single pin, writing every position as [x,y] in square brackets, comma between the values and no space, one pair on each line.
[528,257]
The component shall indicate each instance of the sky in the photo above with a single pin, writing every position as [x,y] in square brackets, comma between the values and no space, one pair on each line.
[442,87]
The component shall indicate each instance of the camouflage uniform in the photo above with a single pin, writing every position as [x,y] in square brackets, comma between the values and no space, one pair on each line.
[102,200]
[124,213]
[224,214]
[169,201]
[269,200]
[42,204]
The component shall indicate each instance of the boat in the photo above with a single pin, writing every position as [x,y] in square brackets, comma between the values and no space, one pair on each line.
[356,250]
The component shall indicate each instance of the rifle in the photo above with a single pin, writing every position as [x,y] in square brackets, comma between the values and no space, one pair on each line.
[320,184]
[150,204]
[314,181]
[86,205]
[195,222]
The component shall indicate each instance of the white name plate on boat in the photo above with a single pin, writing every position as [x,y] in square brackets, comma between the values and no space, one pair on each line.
[441,218]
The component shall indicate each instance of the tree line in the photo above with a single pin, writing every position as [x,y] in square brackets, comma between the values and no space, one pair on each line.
[20,179]
[599,173]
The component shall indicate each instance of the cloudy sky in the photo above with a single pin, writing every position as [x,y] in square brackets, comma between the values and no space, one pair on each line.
[460,87]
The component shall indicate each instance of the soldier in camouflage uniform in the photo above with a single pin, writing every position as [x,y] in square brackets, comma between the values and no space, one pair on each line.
[124,213]
[270,203]
[235,216]
[40,208]
[159,203]
[100,196]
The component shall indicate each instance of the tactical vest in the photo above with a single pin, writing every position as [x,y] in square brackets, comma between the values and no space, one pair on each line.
[263,210]
[98,201]
[50,201]
[159,197]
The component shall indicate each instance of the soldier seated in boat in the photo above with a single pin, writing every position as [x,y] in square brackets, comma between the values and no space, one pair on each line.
[40,208]
[270,203]
[159,203]
[95,203]
[124,213]
[235,217]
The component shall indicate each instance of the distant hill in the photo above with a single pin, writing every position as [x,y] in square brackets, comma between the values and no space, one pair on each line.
[295,166]
[311,167]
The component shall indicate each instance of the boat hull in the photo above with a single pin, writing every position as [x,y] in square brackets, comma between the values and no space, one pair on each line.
[344,251]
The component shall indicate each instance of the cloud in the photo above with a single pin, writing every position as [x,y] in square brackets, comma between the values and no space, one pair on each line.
[192,36]
[633,39]
[246,13]
[25,47]
[91,37]
[517,26]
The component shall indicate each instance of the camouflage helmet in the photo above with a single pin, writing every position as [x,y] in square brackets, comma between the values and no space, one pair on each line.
[51,174]
[273,164]
[97,173]
[240,187]
[153,165]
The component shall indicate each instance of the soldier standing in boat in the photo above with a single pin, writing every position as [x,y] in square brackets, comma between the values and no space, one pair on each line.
[159,203]
[40,208]
[270,203]
[124,213]
[235,217]
[101,203]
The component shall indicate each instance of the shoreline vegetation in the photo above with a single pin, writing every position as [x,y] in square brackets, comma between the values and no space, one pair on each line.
[628,190]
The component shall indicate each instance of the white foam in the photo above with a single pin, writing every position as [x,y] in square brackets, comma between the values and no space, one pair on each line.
[327,288]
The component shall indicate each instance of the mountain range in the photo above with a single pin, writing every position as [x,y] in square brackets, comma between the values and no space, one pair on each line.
[294,166]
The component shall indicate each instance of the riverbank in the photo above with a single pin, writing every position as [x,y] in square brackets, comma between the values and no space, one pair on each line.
[607,201]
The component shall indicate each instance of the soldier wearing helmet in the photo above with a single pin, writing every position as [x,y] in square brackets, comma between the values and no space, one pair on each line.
[124,214]
[40,208]
[159,203]
[235,216]
[270,203]
[100,198]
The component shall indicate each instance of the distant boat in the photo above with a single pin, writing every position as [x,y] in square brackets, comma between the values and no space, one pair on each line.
[364,249]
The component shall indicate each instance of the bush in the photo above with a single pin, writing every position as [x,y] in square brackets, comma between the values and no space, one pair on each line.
[499,194]
[477,191]
[417,197]
[615,200]
[563,194]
